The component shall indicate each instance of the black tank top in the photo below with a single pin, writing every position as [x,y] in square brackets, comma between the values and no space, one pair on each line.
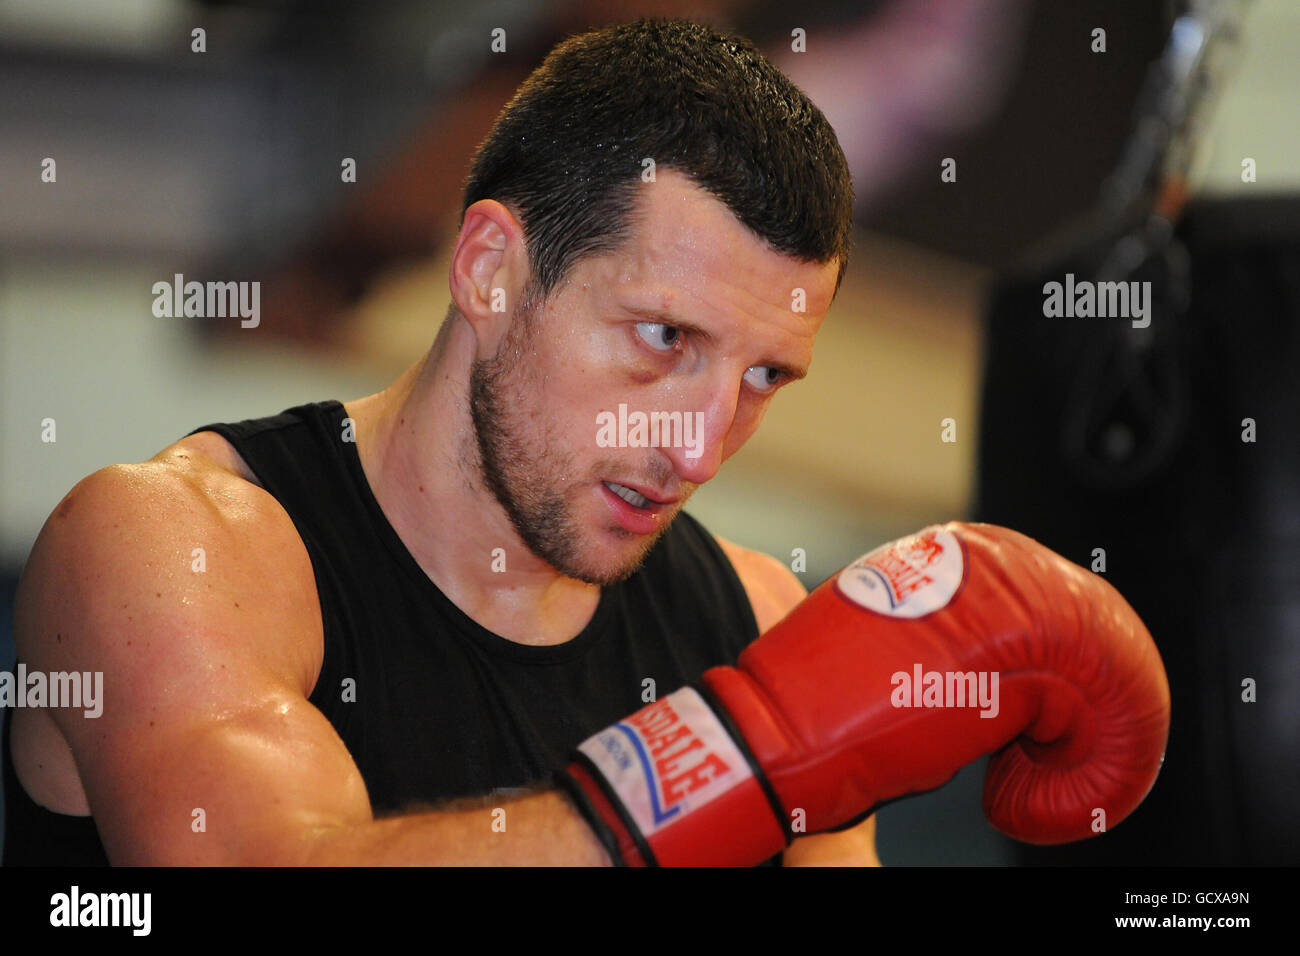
[431,705]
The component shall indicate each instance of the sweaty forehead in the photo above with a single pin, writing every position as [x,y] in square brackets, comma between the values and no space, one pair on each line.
[685,239]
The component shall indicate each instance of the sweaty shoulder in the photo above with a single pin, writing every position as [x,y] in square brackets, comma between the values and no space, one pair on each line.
[159,574]
[189,528]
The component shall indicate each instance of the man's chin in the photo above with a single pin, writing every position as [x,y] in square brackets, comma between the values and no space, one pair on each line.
[620,557]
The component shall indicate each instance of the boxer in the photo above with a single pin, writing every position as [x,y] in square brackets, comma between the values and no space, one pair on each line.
[370,632]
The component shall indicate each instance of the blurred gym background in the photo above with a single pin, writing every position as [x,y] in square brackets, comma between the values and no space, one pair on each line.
[225,164]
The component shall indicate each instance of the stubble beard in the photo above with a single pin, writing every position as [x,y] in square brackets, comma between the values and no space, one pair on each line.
[531,477]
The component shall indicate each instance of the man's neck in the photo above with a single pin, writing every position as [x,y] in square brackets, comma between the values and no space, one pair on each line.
[417,448]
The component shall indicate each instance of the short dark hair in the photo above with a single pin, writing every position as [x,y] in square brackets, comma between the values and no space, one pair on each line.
[566,152]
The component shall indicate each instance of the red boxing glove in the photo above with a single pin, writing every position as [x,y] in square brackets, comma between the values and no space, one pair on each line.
[915,660]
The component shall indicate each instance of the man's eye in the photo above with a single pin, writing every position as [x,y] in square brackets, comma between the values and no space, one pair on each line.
[763,377]
[658,335]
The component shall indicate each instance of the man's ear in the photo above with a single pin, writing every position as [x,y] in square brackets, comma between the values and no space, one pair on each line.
[489,272]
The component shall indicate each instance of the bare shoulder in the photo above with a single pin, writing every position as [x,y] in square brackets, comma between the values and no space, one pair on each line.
[208,450]
[184,590]
[161,540]
[772,587]
[157,575]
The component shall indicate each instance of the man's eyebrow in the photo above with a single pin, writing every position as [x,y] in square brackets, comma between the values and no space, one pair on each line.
[663,318]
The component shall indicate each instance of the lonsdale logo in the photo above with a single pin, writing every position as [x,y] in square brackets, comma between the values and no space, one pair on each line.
[682,763]
[668,760]
[907,578]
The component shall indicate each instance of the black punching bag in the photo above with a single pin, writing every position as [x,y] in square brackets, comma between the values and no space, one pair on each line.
[1173,454]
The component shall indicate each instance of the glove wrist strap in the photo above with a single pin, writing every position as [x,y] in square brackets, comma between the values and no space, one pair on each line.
[672,787]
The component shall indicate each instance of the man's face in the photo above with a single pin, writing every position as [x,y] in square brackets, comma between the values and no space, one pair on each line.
[695,315]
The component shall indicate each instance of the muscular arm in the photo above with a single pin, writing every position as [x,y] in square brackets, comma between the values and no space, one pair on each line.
[207,750]
[773,590]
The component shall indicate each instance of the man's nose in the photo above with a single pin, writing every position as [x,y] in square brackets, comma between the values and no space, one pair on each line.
[707,420]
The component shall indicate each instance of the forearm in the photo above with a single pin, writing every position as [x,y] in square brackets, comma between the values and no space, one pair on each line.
[542,829]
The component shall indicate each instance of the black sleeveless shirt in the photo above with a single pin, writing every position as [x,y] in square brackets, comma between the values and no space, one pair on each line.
[431,705]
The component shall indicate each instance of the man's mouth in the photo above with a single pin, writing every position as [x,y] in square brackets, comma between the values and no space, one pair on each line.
[635,510]
[634,498]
